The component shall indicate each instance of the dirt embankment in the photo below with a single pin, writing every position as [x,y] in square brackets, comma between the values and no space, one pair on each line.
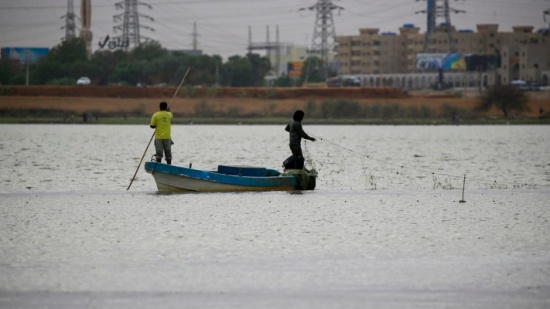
[237,102]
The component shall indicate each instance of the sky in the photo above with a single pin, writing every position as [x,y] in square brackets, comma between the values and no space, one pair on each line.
[222,25]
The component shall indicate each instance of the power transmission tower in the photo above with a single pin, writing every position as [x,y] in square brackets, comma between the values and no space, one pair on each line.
[130,26]
[324,31]
[70,23]
[441,9]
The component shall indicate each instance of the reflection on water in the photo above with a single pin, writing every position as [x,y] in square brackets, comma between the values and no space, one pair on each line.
[384,226]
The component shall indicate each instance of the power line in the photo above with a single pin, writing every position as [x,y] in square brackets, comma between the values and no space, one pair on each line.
[131,26]
[70,24]
[441,9]
[324,31]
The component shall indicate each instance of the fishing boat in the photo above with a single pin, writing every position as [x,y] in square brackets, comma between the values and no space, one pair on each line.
[229,178]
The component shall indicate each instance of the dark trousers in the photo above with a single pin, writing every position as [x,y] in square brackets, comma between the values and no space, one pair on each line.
[298,156]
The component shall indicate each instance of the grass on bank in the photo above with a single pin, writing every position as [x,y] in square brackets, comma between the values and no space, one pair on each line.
[144,120]
[329,111]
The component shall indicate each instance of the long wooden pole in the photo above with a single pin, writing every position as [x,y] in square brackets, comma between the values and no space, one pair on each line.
[150,140]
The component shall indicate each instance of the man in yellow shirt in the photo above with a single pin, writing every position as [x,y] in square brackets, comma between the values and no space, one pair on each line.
[161,122]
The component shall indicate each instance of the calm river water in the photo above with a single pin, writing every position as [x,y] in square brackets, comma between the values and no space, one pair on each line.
[383,229]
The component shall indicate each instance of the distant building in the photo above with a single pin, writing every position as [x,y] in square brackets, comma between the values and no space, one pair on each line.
[392,59]
[290,59]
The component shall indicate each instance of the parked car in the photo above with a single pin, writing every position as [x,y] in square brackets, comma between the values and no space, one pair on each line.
[83,81]
[352,81]
[334,82]
[535,87]
[344,81]
[521,84]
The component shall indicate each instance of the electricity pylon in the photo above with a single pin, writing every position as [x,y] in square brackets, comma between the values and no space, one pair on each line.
[70,23]
[324,31]
[130,26]
[441,9]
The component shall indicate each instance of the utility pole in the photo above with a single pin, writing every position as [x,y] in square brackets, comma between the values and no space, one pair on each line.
[130,26]
[441,9]
[324,32]
[268,46]
[70,23]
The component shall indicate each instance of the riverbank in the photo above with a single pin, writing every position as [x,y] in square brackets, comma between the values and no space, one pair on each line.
[369,106]
[274,121]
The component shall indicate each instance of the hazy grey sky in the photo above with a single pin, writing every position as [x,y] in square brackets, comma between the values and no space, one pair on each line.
[223,24]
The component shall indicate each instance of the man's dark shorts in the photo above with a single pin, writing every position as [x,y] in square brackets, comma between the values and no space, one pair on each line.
[163,145]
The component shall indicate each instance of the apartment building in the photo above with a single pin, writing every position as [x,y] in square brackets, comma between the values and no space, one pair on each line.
[390,59]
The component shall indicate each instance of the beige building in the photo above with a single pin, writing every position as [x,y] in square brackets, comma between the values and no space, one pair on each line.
[390,59]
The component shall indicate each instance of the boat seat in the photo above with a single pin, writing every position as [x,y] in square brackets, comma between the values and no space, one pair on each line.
[249,171]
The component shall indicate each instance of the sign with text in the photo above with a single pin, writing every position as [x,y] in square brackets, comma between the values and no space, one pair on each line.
[441,61]
[113,43]
[25,55]
[294,68]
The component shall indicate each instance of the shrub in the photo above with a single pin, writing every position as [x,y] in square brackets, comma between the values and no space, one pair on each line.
[5,90]
[204,109]
[190,91]
[504,97]
[340,109]
[66,81]
[270,93]
[212,92]
[311,108]
[234,111]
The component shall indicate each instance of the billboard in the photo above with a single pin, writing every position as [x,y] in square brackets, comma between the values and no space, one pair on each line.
[24,54]
[294,68]
[481,63]
[441,61]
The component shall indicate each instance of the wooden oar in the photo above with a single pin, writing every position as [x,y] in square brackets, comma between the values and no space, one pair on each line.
[143,156]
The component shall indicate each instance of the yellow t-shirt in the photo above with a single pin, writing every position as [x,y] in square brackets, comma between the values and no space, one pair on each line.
[162,121]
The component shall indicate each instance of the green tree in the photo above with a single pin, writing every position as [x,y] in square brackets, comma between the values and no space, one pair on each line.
[238,72]
[68,51]
[125,73]
[57,64]
[311,71]
[6,71]
[284,81]
[260,67]
[47,70]
[504,97]
[148,51]
[104,63]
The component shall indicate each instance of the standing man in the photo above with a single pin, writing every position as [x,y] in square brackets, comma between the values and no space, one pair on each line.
[161,122]
[296,133]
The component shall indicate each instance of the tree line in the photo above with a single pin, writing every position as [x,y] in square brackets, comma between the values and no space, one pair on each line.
[147,64]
